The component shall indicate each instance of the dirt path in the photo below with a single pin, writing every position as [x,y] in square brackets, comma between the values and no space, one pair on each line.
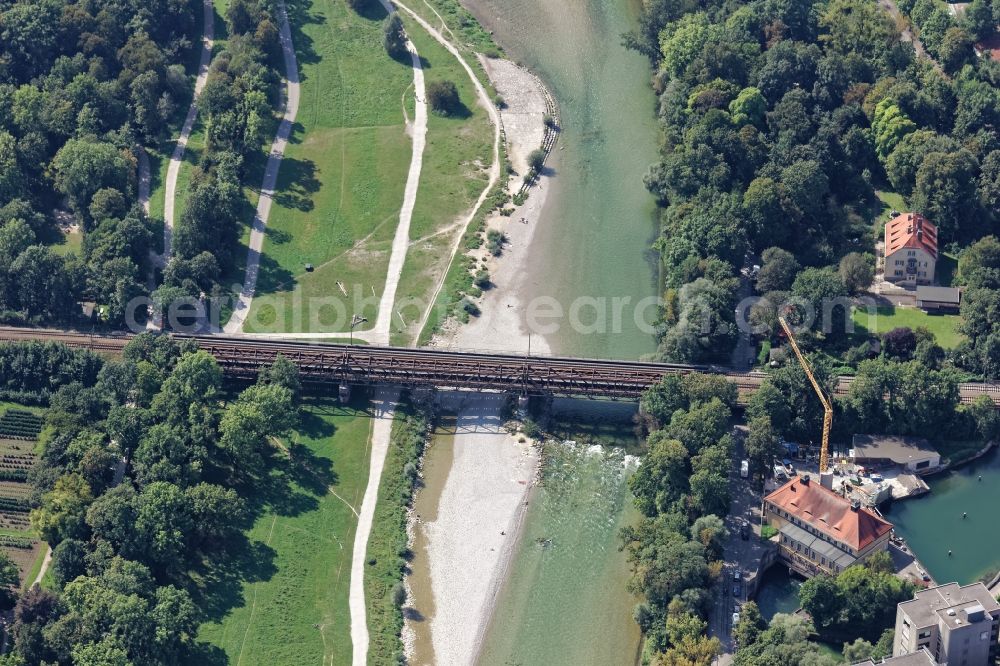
[173,169]
[491,109]
[45,566]
[144,178]
[385,408]
[379,334]
[154,321]
[242,307]
[907,34]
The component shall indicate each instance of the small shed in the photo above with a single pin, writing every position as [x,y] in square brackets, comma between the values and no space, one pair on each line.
[939,299]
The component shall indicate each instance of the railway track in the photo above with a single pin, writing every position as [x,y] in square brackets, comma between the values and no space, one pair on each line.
[243,357]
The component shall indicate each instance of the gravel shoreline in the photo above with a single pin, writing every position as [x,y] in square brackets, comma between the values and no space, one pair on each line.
[501,326]
[473,538]
[472,542]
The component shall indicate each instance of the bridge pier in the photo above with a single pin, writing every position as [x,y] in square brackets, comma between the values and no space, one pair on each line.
[344,393]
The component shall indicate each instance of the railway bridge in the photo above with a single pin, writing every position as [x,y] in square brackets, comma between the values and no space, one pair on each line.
[347,365]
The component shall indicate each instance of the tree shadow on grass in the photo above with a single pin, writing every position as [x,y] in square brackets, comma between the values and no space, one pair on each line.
[371,10]
[299,16]
[277,236]
[457,111]
[299,183]
[297,133]
[217,583]
[272,277]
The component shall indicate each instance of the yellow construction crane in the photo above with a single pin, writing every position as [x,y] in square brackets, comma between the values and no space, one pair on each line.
[824,452]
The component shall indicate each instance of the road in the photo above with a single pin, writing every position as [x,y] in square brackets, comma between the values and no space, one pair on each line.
[907,35]
[270,181]
[739,555]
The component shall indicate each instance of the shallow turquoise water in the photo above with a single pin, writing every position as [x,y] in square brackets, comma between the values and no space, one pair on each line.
[565,601]
[598,221]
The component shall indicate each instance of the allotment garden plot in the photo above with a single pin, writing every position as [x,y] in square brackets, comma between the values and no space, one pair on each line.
[19,430]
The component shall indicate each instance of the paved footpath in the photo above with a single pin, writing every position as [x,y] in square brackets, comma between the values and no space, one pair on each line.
[173,169]
[242,306]
[384,404]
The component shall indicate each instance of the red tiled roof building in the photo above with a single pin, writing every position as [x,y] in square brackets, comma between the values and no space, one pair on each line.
[911,249]
[821,532]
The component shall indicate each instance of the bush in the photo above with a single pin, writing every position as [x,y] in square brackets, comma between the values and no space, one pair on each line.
[536,160]
[394,37]
[443,97]
[494,242]
[398,595]
[767,531]
[549,121]
[470,308]
[482,279]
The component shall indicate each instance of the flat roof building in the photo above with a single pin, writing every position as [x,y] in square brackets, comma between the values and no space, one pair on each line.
[821,532]
[958,625]
[914,454]
[921,658]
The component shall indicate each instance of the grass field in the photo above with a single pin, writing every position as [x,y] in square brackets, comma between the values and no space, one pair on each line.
[341,182]
[297,613]
[457,158]
[944,327]
[890,201]
[71,243]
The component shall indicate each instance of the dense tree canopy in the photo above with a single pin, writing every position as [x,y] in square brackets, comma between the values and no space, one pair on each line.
[124,553]
[780,121]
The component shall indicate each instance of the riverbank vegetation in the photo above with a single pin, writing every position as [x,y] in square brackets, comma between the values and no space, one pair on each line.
[388,546]
[859,602]
[156,542]
[900,397]
[780,121]
[682,489]
[857,607]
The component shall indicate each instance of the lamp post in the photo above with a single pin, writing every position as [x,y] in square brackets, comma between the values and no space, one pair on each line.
[355,321]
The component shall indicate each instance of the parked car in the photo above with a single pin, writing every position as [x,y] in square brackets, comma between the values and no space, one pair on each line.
[737,590]
[736,619]
[745,533]
[745,468]
[737,575]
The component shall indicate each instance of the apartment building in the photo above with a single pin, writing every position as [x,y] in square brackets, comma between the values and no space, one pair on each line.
[958,625]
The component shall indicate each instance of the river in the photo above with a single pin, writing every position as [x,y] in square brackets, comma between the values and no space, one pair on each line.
[565,600]
[933,524]
[598,221]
